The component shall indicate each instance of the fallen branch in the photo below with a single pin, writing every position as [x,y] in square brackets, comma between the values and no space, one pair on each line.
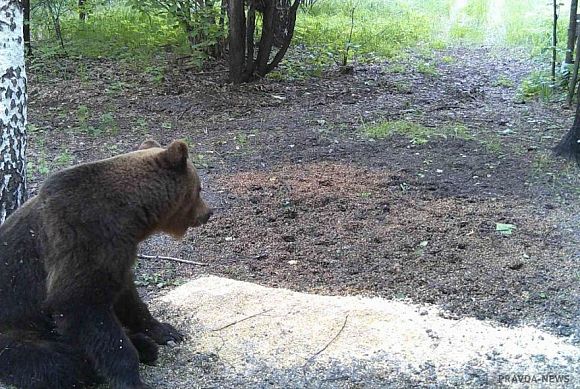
[327,344]
[143,256]
[241,320]
[184,111]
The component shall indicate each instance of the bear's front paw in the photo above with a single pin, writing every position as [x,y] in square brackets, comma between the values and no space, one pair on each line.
[162,333]
[146,348]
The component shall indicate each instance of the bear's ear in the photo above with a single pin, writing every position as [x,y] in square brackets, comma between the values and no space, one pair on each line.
[176,154]
[148,144]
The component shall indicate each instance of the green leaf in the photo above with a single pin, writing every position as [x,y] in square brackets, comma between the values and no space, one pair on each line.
[505,229]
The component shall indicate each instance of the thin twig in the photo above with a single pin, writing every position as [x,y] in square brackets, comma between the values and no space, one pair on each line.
[184,111]
[241,320]
[349,42]
[143,256]
[203,73]
[327,344]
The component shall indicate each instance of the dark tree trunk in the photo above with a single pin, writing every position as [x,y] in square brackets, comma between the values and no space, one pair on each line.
[569,146]
[267,38]
[26,26]
[237,33]
[282,21]
[243,66]
[291,24]
[250,46]
[572,31]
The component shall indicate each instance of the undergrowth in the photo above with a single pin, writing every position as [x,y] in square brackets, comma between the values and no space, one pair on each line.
[380,29]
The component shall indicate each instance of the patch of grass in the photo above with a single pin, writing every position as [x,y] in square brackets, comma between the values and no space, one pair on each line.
[466,33]
[38,165]
[156,280]
[141,126]
[494,145]
[459,131]
[542,162]
[529,23]
[403,87]
[448,60]
[107,123]
[63,159]
[200,161]
[117,88]
[397,68]
[417,133]
[83,116]
[503,81]
[427,69]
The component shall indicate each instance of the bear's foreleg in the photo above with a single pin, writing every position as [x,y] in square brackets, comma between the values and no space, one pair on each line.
[135,316]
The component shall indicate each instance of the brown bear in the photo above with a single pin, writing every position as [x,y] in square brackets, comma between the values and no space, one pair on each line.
[70,315]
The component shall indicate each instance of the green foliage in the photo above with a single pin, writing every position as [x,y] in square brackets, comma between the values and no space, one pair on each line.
[156,280]
[380,27]
[198,19]
[529,23]
[386,29]
[116,32]
[141,31]
[538,85]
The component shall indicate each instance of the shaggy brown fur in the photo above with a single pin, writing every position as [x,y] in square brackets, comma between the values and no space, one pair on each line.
[69,311]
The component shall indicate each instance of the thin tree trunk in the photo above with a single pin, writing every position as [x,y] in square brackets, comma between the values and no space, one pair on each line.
[554,39]
[82,11]
[574,75]
[54,15]
[26,26]
[572,31]
[12,109]
[266,40]
[250,29]
[291,24]
[221,46]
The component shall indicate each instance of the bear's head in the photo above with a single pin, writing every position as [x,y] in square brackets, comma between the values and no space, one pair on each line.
[190,210]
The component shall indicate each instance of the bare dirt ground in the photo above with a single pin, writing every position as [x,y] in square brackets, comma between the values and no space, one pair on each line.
[307,201]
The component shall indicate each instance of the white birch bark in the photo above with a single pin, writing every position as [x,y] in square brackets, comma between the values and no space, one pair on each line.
[12,109]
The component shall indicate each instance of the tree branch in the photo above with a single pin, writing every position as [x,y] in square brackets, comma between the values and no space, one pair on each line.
[143,256]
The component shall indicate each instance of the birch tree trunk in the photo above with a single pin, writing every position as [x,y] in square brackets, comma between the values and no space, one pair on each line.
[12,109]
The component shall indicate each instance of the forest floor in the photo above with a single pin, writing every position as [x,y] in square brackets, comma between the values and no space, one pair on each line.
[306,200]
